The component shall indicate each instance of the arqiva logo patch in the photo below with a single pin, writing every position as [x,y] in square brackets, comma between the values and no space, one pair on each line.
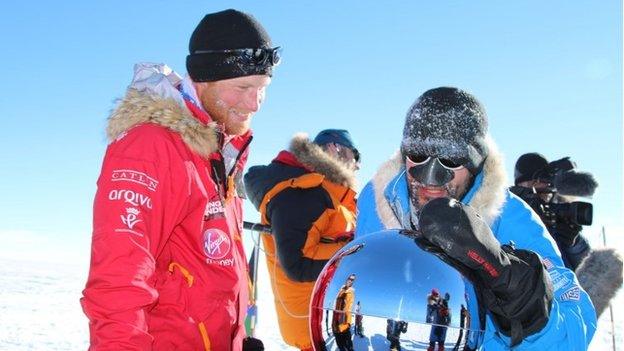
[216,244]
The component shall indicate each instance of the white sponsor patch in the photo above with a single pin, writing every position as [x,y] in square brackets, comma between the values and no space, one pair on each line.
[216,244]
[131,197]
[558,280]
[228,262]
[214,209]
[574,293]
[549,265]
[131,218]
[129,175]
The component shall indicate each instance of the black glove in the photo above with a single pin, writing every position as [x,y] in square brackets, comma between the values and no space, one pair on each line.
[252,344]
[565,233]
[513,284]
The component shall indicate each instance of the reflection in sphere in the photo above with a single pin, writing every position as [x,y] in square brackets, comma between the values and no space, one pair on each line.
[383,291]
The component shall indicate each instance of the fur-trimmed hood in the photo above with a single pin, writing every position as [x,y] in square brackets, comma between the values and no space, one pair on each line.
[152,98]
[600,274]
[314,158]
[303,156]
[487,199]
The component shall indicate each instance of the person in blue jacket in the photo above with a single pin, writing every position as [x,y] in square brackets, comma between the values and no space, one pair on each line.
[447,183]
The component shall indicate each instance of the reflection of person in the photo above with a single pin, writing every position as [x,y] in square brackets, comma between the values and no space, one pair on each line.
[464,320]
[359,329]
[442,319]
[341,318]
[306,195]
[432,301]
[393,333]
[446,157]
[168,268]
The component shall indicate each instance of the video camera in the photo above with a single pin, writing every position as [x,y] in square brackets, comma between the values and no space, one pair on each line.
[561,179]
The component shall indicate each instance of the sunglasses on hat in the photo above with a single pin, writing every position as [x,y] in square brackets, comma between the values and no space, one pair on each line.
[255,57]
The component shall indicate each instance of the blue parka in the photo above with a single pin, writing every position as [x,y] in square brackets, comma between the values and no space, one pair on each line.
[384,204]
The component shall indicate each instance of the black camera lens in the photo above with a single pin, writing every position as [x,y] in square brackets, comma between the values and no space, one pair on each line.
[577,212]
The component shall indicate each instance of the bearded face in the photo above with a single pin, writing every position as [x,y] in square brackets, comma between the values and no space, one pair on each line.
[233,102]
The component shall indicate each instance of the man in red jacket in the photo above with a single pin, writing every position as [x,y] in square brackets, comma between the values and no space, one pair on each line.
[168,269]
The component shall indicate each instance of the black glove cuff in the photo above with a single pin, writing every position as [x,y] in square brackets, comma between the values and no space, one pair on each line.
[520,300]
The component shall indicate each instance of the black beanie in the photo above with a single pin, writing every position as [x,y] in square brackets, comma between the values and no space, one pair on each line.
[447,123]
[226,30]
[528,166]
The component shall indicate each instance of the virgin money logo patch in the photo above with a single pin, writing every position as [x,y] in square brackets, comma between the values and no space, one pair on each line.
[216,244]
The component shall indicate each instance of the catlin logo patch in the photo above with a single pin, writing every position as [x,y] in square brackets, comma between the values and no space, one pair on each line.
[130,175]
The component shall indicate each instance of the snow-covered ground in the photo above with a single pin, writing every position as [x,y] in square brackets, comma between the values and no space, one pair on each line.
[39,310]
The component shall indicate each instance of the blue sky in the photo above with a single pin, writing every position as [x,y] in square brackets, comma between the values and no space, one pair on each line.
[549,74]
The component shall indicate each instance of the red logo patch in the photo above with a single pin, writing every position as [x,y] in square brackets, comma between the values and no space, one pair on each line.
[486,265]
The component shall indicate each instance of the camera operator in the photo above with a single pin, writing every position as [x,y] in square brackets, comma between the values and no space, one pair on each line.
[549,187]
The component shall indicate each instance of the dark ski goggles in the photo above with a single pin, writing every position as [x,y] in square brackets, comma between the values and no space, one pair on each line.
[254,57]
[431,171]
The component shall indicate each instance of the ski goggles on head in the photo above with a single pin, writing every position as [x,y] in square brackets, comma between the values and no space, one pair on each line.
[431,171]
[251,56]
[350,155]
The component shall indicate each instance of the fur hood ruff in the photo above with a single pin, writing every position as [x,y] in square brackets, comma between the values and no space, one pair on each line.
[313,157]
[140,107]
[487,201]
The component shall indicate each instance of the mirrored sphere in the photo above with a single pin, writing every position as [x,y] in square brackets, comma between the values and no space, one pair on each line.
[382,292]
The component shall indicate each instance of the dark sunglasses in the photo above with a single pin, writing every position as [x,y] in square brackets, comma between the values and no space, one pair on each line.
[256,57]
[422,159]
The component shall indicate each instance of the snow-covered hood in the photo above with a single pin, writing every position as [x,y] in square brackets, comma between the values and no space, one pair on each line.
[153,97]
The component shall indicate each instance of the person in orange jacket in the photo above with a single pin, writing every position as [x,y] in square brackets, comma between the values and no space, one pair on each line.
[306,194]
[341,318]
[168,268]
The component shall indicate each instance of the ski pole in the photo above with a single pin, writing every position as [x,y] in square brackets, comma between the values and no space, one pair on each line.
[252,313]
[256,227]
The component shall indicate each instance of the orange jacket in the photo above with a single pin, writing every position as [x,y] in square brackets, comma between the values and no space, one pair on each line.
[311,218]
[341,318]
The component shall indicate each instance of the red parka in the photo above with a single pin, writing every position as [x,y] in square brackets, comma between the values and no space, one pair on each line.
[168,269]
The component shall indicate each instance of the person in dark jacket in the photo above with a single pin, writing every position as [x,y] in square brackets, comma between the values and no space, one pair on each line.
[532,186]
[359,328]
[545,185]
[394,328]
[307,195]
[442,320]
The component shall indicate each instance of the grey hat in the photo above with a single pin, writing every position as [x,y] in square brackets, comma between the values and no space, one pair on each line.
[447,123]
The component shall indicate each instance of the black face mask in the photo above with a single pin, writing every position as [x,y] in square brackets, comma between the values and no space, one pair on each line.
[431,171]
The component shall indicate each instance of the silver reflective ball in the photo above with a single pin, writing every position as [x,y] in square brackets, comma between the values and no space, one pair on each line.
[383,292]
